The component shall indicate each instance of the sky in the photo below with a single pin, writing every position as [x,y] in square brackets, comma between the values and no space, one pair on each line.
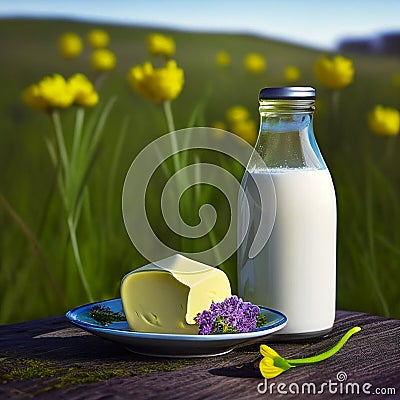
[316,23]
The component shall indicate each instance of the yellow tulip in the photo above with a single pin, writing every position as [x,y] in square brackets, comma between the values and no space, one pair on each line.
[237,114]
[255,63]
[160,45]
[247,130]
[70,45]
[103,60]
[291,73]
[84,92]
[157,84]
[336,73]
[98,38]
[384,121]
[223,59]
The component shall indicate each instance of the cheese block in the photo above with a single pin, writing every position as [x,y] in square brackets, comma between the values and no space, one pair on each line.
[166,296]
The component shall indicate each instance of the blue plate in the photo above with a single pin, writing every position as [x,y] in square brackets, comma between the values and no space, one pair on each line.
[171,345]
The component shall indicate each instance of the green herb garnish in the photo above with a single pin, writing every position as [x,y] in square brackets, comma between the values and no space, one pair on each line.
[104,316]
[261,320]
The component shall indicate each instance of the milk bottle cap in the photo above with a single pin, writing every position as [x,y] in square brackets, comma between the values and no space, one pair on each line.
[287,93]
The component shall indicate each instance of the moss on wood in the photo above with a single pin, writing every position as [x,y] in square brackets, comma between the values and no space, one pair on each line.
[14,368]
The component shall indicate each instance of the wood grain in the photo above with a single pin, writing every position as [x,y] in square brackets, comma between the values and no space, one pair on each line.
[371,356]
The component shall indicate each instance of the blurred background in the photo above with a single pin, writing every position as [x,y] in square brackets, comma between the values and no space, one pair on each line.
[62,237]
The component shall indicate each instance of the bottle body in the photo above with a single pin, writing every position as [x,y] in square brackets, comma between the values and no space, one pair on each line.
[295,271]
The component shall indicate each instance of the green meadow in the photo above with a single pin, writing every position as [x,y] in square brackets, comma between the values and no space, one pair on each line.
[39,277]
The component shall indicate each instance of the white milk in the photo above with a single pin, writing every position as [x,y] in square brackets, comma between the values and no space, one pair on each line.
[295,271]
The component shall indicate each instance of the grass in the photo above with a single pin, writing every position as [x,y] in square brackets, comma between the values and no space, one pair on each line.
[39,277]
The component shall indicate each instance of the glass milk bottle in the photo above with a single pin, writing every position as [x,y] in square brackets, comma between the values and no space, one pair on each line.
[295,271]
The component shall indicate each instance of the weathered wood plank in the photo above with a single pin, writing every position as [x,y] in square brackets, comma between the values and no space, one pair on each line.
[371,356]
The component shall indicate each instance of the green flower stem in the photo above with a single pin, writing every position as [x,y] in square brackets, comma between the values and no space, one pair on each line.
[77,138]
[326,354]
[168,115]
[55,116]
[171,128]
[74,242]
[174,147]
[370,257]
[95,138]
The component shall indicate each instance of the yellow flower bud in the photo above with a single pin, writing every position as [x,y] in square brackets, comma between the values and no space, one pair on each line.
[255,63]
[157,84]
[103,60]
[237,114]
[84,92]
[160,45]
[98,38]
[291,73]
[336,73]
[56,91]
[223,59]
[384,121]
[70,45]
[32,98]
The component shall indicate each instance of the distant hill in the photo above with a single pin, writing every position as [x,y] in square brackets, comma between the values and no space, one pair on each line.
[386,43]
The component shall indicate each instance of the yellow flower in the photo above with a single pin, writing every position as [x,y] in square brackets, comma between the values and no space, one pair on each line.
[237,114]
[255,63]
[160,45]
[55,91]
[70,45]
[32,98]
[84,92]
[98,38]
[157,84]
[384,121]
[247,130]
[292,73]
[223,59]
[219,125]
[103,60]
[272,364]
[335,73]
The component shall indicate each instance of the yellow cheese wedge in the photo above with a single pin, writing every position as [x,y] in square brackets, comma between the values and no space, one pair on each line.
[164,297]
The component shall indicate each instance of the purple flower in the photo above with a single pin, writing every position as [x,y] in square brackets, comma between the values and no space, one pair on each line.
[229,316]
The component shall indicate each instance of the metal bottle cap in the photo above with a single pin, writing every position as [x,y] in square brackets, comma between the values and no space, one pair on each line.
[287,93]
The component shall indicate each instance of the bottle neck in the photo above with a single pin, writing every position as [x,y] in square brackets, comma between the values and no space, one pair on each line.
[286,137]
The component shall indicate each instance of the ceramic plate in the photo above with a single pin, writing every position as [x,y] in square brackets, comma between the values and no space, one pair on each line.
[171,345]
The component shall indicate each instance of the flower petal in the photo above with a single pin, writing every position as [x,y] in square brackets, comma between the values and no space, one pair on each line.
[266,351]
[268,369]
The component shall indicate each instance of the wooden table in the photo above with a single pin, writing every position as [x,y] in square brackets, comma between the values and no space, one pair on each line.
[52,359]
